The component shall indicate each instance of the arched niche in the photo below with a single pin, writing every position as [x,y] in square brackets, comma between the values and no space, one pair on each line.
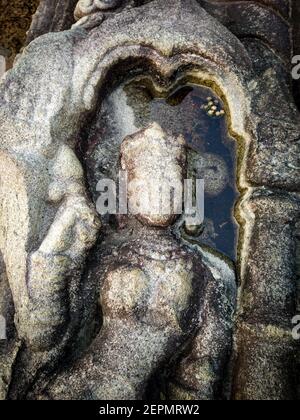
[134,96]
[59,84]
[186,42]
[172,59]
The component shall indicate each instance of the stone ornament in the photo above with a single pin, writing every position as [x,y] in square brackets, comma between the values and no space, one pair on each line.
[91,13]
[62,268]
[87,7]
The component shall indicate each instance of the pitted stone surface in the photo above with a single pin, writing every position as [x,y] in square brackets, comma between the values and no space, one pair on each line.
[153,176]
[15,21]
[51,16]
[255,19]
[53,272]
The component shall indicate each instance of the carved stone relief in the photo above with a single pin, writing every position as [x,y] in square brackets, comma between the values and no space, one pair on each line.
[140,305]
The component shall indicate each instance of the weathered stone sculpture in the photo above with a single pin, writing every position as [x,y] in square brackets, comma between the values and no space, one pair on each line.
[57,258]
[154,297]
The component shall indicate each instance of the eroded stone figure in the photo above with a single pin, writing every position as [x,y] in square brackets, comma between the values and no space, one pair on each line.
[172,300]
[155,293]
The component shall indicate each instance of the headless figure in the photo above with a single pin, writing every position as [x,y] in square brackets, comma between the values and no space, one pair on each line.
[162,303]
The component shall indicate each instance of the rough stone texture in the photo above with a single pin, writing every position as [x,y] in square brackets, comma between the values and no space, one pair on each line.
[55,85]
[262,343]
[52,16]
[164,165]
[8,347]
[296,37]
[59,15]
[152,298]
[15,19]
[268,302]
[87,7]
[256,19]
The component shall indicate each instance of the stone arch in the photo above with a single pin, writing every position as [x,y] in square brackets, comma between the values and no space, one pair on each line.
[45,121]
[39,125]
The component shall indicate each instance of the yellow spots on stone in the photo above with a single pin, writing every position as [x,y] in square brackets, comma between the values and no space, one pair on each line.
[277,332]
[270,331]
[204,374]
[124,290]
[175,286]
[213,108]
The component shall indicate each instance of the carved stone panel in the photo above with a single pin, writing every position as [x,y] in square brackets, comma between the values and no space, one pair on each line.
[113,298]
